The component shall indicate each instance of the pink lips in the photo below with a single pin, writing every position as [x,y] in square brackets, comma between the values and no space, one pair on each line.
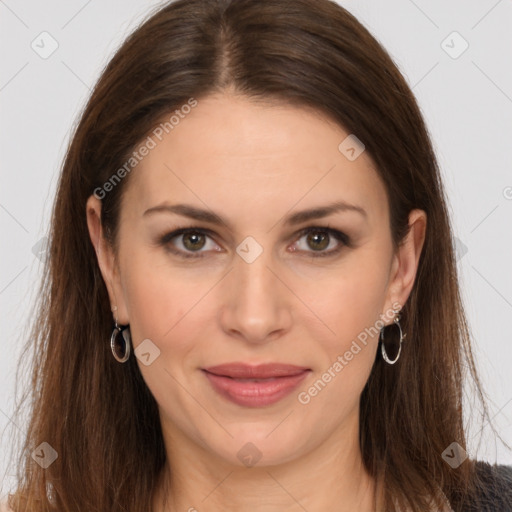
[255,386]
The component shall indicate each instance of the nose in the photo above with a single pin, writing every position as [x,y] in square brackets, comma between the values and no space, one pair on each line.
[255,303]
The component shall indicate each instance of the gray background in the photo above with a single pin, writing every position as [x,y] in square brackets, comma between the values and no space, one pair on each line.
[466,100]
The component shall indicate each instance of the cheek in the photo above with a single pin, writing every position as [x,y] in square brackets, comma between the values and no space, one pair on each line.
[349,308]
[160,305]
[157,300]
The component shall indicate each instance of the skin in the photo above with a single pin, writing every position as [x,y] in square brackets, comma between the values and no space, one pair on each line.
[255,164]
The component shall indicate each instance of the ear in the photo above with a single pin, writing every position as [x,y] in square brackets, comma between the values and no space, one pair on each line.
[405,262]
[106,260]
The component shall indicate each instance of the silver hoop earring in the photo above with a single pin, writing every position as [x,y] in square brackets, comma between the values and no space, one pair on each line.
[402,337]
[121,350]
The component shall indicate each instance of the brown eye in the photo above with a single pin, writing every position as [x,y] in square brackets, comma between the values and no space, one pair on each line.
[193,240]
[318,240]
[191,244]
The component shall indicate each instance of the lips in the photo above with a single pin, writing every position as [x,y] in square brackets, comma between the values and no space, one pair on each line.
[262,371]
[255,386]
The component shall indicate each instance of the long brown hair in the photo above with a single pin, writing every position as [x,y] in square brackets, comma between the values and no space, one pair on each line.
[99,416]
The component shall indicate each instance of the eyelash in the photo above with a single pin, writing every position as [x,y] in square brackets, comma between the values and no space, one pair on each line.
[338,235]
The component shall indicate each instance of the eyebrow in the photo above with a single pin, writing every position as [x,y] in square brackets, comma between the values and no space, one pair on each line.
[199,214]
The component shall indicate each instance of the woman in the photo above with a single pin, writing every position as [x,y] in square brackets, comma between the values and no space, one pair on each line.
[251,297]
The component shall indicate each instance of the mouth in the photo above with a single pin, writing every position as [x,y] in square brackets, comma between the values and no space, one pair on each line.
[255,386]
[257,372]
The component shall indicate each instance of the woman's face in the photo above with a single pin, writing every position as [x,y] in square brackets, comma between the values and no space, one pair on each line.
[255,289]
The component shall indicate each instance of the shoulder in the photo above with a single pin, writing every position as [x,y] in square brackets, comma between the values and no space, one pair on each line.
[3,505]
[493,489]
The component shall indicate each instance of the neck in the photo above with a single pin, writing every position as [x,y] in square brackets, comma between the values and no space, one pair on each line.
[330,477]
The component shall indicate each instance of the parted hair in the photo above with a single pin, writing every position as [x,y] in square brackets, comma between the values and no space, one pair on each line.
[98,415]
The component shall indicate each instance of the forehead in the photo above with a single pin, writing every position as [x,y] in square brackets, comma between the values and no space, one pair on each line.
[242,157]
